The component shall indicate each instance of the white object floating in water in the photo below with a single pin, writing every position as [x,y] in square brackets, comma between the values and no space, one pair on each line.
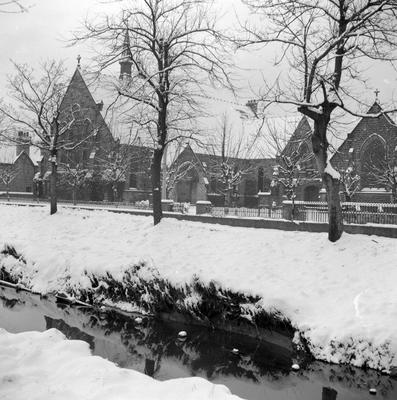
[372,391]
[295,367]
[182,334]
[138,320]
[235,351]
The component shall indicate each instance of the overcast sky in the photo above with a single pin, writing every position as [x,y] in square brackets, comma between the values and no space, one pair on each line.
[41,34]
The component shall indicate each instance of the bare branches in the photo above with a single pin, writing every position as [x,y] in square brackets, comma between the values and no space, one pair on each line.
[229,149]
[172,46]
[322,43]
[177,172]
[41,108]
[13,7]
[323,39]
[167,48]
[383,173]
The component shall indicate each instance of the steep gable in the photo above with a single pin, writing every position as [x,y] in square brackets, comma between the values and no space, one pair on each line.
[381,126]
[301,134]
[78,93]
[101,141]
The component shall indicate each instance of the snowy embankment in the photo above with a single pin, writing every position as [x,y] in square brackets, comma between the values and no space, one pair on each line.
[341,297]
[44,365]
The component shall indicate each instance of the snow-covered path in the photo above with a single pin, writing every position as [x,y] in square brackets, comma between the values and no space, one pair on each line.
[341,296]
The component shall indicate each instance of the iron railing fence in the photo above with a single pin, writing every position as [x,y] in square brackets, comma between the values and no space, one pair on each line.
[244,212]
[353,213]
[142,205]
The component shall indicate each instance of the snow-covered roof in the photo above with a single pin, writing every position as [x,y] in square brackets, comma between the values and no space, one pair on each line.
[8,154]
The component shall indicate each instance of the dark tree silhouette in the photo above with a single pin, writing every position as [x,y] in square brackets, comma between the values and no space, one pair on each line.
[323,45]
[169,48]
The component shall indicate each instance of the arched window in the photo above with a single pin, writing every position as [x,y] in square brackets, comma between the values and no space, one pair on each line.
[260,179]
[373,158]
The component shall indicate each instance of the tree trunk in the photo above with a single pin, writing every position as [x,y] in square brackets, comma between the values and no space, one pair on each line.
[348,198]
[335,221]
[394,194]
[228,197]
[53,186]
[156,186]
[320,150]
[74,195]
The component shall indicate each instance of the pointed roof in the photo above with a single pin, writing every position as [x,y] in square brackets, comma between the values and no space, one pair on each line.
[375,108]
[78,92]
[301,133]
[382,125]
[77,83]
[126,53]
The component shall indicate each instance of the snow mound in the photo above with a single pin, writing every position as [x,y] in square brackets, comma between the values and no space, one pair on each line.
[44,365]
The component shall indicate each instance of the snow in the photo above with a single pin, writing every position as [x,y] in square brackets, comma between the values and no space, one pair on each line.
[329,169]
[44,365]
[341,296]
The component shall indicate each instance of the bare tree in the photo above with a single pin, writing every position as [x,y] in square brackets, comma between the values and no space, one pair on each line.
[323,44]
[40,109]
[75,177]
[231,150]
[176,172]
[288,172]
[113,169]
[13,7]
[384,174]
[7,176]
[350,182]
[172,47]
[294,158]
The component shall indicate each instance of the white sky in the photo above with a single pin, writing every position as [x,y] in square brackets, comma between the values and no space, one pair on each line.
[40,34]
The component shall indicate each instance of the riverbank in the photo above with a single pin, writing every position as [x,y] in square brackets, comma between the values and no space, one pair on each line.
[339,297]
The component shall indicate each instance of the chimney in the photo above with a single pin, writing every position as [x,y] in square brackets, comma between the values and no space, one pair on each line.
[126,58]
[23,143]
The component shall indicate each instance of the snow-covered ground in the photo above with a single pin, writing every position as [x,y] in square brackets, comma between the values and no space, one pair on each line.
[44,365]
[341,297]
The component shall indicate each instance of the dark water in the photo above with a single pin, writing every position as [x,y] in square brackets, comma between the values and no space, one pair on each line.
[260,371]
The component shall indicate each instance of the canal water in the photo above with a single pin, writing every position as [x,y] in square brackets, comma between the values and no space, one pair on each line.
[260,370]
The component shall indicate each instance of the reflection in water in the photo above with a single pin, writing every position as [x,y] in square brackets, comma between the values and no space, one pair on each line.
[260,370]
[69,331]
[329,394]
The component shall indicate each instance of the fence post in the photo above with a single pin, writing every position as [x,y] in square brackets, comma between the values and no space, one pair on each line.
[287,210]
[203,207]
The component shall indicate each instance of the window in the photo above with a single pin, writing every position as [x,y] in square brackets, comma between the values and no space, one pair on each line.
[260,179]
[373,158]
[133,180]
